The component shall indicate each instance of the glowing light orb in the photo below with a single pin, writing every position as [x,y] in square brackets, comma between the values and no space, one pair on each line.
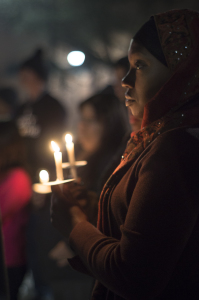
[44,176]
[76,58]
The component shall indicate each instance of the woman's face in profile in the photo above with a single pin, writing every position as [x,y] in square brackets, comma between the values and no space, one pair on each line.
[144,79]
[90,129]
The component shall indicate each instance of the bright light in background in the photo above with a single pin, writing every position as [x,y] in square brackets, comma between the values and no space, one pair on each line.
[76,58]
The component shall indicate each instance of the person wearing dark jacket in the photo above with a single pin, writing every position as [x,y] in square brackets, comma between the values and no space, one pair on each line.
[41,118]
[102,134]
[146,245]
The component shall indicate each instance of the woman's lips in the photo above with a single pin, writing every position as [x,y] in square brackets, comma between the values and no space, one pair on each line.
[129,101]
[129,97]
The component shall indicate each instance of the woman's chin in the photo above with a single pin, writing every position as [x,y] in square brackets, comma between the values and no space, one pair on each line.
[132,119]
[134,115]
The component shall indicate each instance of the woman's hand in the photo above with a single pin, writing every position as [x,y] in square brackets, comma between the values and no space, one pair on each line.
[78,192]
[65,210]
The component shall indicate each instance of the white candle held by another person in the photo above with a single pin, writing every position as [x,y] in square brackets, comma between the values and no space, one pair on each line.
[71,154]
[41,188]
[58,161]
[43,176]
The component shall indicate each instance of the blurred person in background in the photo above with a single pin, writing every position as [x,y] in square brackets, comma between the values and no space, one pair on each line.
[15,193]
[101,132]
[8,104]
[40,120]
[4,292]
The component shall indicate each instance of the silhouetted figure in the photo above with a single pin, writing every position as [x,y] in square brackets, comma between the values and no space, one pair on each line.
[3,272]
[8,104]
[41,118]
[102,133]
[15,193]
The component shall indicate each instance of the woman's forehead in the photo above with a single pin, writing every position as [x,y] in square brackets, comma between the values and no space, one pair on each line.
[136,48]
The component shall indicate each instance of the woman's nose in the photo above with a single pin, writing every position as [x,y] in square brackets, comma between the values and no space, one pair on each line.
[129,80]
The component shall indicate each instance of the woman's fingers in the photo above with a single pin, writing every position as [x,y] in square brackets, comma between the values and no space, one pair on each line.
[77,191]
[65,210]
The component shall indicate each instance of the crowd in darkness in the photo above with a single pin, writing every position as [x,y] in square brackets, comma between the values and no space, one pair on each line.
[31,244]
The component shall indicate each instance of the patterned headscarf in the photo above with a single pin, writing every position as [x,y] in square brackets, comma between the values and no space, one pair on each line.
[177,102]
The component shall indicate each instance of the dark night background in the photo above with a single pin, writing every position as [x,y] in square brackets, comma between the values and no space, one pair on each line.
[100,28]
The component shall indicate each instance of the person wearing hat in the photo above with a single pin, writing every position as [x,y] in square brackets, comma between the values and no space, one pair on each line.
[41,118]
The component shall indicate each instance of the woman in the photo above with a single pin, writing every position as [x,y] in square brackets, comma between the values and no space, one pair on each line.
[147,242]
[15,193]
[101,132]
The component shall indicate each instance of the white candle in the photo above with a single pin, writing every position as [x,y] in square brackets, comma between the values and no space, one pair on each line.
[58,161]
[43,176]
[71,154]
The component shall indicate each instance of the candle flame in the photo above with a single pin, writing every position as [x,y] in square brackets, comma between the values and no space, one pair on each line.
[68,138]
[55,147]
[44,176]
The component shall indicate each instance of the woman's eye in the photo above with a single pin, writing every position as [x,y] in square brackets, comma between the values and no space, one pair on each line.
[139,65]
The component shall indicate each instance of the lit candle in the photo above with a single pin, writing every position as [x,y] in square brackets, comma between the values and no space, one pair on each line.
[43,176]
[58,160]
[71,155]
